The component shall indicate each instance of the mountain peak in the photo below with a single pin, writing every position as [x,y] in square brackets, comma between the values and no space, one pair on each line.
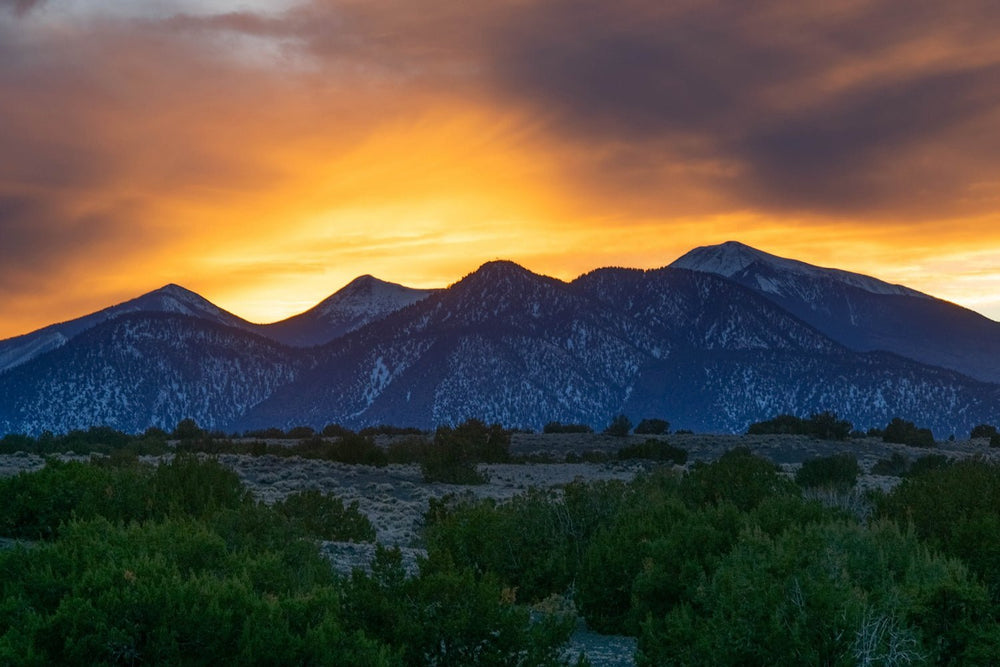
[366,281]
[502,266]
[727,259]
[361,301]
[176,291]
[734,259]
[501,269]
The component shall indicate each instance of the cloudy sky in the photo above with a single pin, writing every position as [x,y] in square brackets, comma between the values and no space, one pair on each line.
[264,153]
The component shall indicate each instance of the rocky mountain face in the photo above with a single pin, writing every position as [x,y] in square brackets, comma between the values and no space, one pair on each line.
[861,312]
[694,346]
[146,369]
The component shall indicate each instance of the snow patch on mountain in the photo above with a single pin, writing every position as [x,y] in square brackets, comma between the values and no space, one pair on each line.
[731,258]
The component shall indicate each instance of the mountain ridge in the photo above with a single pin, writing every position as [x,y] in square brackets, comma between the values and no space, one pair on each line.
[860,312]
[700,349]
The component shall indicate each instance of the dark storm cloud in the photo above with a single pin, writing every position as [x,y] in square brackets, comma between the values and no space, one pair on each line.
[837,155]
[43,238]
[756,85]
[831,107]
[22,7]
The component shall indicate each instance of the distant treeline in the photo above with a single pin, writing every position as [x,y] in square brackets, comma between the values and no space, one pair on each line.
[828,426]
[470,442]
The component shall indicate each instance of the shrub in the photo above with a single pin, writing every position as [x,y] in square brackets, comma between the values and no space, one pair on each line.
[619,426]
[652,427]
[780,425]
[903,432]
[150,593]
[188,429]
[839,471]
[33,505]
[535,542]
[829,593]
[386,429]
[325,517]
[823,425]
[895,466]
[955,508]
[448,616]
[983,431]
[195,487]
[927,463]
[737,477]
[453,456]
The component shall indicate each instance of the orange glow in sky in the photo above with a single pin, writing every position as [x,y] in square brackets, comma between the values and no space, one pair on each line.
[265,153]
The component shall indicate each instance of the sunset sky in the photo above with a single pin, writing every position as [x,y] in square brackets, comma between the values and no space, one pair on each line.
[264,153]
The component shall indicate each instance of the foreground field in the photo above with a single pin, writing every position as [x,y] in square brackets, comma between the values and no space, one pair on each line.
[593,502]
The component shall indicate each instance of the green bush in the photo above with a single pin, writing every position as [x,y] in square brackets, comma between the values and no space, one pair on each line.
[824,594]
[738,477]
[839,471]
[196,572]
[619,426]
[325,517]
[647,558]
[171,593]
[652,427]
[534,543]
[824,425]
[904,432]
[983,431]
[928,462]
[448,616]
[956,509]
[453,456]
[33,505]
[895,466]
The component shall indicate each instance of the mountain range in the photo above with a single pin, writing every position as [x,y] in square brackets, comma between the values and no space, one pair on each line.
[724,336]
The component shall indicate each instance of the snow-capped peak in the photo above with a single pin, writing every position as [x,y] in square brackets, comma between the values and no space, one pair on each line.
[368,297]
[732,257]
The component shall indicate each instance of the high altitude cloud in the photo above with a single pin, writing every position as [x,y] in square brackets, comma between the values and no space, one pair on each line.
[194,141]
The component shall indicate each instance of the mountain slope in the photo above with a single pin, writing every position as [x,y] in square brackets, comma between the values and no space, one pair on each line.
[363,300]
[861,312]
[499,344]
[507,345]
[168,299]
[145,369]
